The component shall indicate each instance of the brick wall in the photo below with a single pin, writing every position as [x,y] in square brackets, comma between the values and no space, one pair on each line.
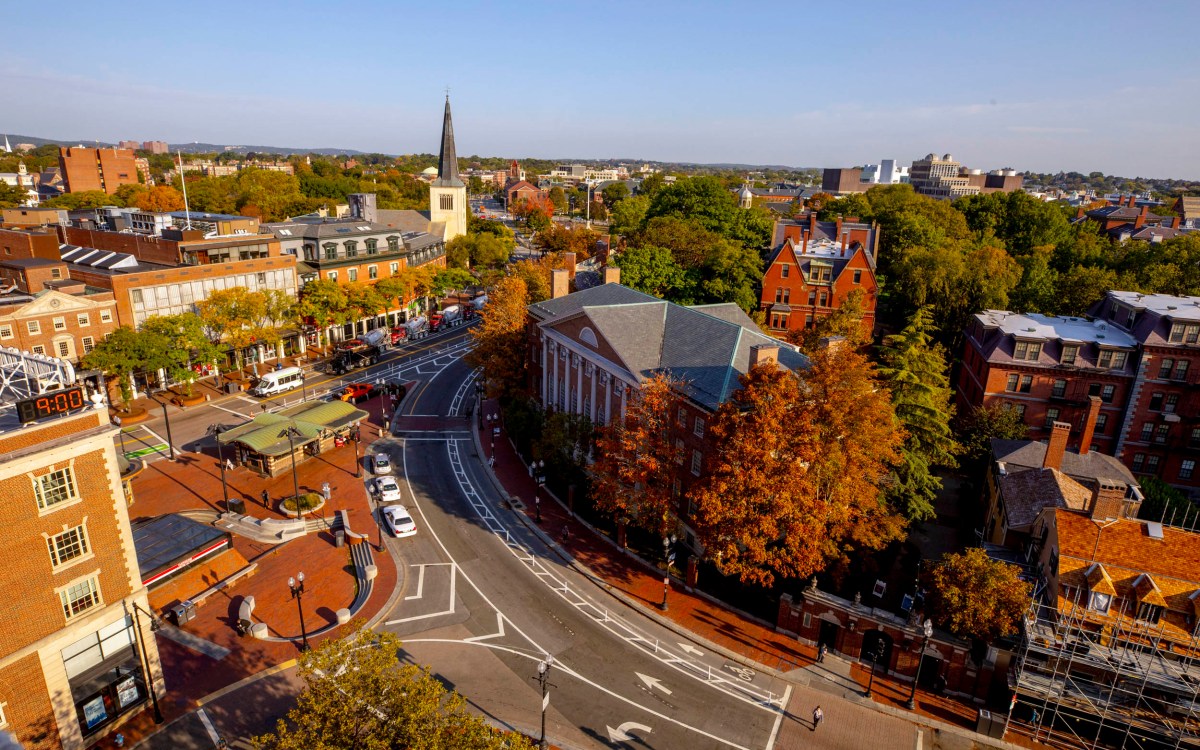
[27,705]
[19,243]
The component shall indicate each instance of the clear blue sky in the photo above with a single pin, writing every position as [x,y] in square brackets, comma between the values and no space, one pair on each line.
[1034,85]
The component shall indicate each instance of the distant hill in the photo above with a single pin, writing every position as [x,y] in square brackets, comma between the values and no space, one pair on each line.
[191,148]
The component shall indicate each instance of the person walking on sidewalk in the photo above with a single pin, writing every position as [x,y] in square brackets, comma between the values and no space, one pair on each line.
[266,499]
[821,651]
[566,533]
[818,717]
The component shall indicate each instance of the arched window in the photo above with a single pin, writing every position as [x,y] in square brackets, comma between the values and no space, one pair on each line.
[588,336]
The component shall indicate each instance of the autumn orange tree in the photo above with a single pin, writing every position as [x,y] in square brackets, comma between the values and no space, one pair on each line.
[160,198]
[974,596]
[499,339]
[796,484]
[637,459]
[534,212]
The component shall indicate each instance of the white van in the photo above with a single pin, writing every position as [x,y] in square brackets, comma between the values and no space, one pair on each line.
[277,382]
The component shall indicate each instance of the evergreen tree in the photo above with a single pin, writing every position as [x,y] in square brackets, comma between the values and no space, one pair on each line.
[914,369]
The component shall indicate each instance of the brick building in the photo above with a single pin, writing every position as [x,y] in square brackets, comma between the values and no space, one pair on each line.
[155,147]
[63,320]
[1125,220]
[1047,369]
[814,267]
[590,350]
[97,168]
[73,649]
[28,243]
[522,190]
[841,181]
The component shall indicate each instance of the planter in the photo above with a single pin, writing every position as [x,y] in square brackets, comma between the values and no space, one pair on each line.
[183,401]
[314,503]
[133,416]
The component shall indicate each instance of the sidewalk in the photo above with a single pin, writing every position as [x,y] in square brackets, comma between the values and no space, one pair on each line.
[691,612]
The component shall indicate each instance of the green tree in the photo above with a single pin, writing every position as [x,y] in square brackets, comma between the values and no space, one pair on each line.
[614,193]
[118,356]
[653,270]
[1165,504]
[629,215]
[322,303]
[914,368]
[180,341]
[651,184]
[82,199]
[1037,292]
[559,199]
[974,596]
[706,202]
[127,195]
[475,185]
[232,316]
[12,196]
[363,301]
[449,279]
[1081,287]
[1020,220]
[358,695]
[983,424]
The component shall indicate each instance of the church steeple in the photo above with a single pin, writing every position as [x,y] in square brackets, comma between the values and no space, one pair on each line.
[448,157]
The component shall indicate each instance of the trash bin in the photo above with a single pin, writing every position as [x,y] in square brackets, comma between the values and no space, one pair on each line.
[236,505]
[189,609]
[339,538]
[181,612]
[983,724]
[233,387]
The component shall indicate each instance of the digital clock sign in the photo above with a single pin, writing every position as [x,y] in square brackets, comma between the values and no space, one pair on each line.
[50,404]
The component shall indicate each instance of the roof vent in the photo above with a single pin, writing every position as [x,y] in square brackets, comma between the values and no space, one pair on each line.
[1171,307]
[1154,530]
[1031,329]
[1100,335]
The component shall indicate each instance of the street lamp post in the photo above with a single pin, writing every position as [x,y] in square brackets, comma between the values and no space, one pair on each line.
[912,696]
[145,658]
[356,436]
[167,421]
[539,476]
[291,433]
[215,431]
[297,586]
[876,655]
[668,558]
[543,678]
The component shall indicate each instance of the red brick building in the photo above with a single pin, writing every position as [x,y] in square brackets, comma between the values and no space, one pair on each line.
[814,267]
[515,192]
[1128,221]
[1047,368]
[97,168]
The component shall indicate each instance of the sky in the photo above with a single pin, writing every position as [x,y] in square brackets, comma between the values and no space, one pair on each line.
[1041,86]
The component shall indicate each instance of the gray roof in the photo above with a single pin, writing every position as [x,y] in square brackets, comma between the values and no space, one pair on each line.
[1022,455]
[448,157]
[319,229]
[1027,493]
[706,348]
[406,220]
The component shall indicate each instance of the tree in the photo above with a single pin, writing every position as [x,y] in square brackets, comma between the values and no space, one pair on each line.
[1165,504]
[448,279]
[475,185]
[651,184]
[982,425]
[1080,287]
[653,270]
[322,303]
[358,695]
[614,193]
[127,195]
[178,341]
[233,316]
[363,301]
[160,198]
[534,212]
[82,199]
[500,338]
[796,484]
[118,355]
[536,276]
[845,322]
[706,202]
[914,368]
[637,459]
[12,196]
[558,239]
[973,596]
[458,252]
[629,215]
[559,199]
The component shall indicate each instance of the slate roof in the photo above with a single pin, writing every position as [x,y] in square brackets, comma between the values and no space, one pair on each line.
[448,156]
[1027,493]
[1158,312]
[329,228]
[705,347]
[1146,233]
[1188,206]
[1115,213]
[1024,455]
[406,220]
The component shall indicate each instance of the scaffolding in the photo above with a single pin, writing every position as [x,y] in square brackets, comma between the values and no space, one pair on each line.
[1106,682]
[23,374]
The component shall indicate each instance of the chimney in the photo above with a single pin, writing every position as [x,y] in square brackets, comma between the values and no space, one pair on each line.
[1089,425]
[804,248]
[764,353]
[1141,218]
[1079,212]
[1175,222]
[1057,446]
[560,283]
[812,221]
[570,262]
[838,231]
[832,343]
[612,275]
[1108,497]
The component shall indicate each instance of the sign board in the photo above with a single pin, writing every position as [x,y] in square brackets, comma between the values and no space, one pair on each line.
[880,587]
[94,711]
[906,603]
[127,692]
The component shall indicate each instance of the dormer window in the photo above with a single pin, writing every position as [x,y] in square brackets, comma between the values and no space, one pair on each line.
[1069,353]
[1028,351]
[1100,602]
[1112,360]
[1184,333]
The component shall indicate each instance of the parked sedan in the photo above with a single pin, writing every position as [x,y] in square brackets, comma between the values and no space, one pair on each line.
[387,490]
[357,392]
[398,521]
[381,463]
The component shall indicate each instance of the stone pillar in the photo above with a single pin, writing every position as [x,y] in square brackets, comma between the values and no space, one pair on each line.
[693,570]
[621,535]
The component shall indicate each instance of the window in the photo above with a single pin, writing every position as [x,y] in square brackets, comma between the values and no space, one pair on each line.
[1164,370]
[680,451]
[1027,350]
[1069,353]
[64,350]
[1019,409]
[54,488]
[1181,333]
[372,246]
[600,416]
[1186,468]
[808,321]
[1160,433]
[1150,613]
[783,271]
[88,344]
[1100,602]
[1060,388]
[136,296]
[1139,460]
[1194,440]
[812,297]
[393,244]
[80,597]
[352,274]
[1147,431]
[394,268]
[778,294]
[330,250]
[1051,416]
[332,276]
[824,299]
[1101,423]
[1112,360]
[1106,393]
[682,417]
[39,349]
[446,202]
[372,272]
[1156,401]
[857,276]
[1011,384]
[67,546]
[1170,403]
[1026,383]
[698,428]
[696,459]
[787,296]
[1152,465]
[351,249]
[1180,371]
[105,316]
[3,721]
[60,324]
[83,320]
[34,327]
[6,332]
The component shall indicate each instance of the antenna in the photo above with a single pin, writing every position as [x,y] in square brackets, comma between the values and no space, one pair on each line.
[187,214]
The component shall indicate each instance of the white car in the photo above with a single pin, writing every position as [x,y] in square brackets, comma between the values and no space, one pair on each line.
[398,521]
[387,490]
[381,463]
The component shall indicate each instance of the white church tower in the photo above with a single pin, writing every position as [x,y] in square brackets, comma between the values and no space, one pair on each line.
[448,193]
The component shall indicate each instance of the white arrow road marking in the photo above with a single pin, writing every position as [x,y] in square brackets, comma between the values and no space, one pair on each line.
[651,683]
[621,733]
[689,648]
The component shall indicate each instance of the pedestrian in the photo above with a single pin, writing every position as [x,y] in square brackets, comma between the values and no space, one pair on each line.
[821,650]
[325,492]
[818,717]
[119,740]
[266,499]
[566,533]
[229,464]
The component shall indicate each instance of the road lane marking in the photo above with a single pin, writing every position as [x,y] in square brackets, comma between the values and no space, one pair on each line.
[450,611]
[498,634]
[787,694]
[208,725]
[621,733]
[652,682]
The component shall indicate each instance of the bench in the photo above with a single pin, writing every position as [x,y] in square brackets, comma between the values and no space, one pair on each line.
[245,612]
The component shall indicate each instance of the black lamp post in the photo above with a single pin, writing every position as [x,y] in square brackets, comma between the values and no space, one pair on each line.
[145,658]
[479,400]
[215,431]
[291,433]
[297,586]
[668,558]
[539,476]
[491,421]
[356,437]
[912,696]
[876,655]
[167,420]
[543,678]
